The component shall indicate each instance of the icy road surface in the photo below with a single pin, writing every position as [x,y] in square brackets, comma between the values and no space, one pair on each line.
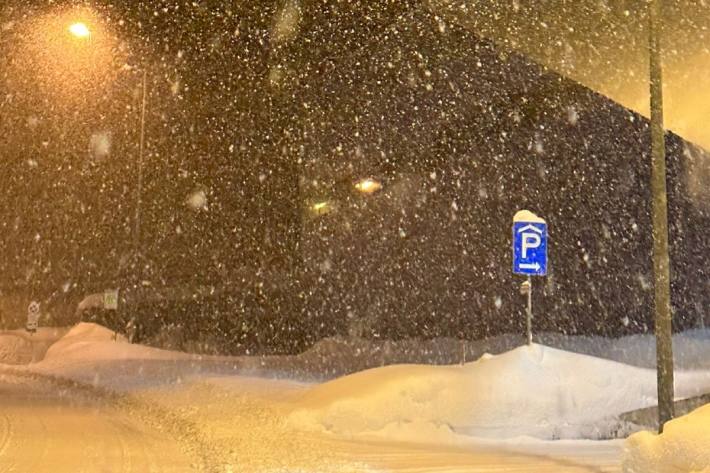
[46,429]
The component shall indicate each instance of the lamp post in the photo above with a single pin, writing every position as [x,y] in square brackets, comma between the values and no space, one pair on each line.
[81,31]
[659,216]
[141,149]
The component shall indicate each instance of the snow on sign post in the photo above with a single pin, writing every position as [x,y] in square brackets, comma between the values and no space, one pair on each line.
[529,254]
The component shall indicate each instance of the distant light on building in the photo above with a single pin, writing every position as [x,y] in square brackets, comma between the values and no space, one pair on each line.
[321,208]
[197,200]
[368,186]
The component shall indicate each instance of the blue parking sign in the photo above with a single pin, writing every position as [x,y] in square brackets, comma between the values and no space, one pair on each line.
[530,248]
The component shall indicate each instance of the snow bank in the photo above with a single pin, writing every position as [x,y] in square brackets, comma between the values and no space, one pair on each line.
[90,353]
[79,337]
[530,391]
[92,342]
[684,447]
[93,354]
[14,350]
[18,347]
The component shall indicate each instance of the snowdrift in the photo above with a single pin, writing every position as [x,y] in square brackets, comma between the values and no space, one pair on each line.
[92,342]
[533,391]
[78,337]
[92,354]
[530,391]
[14,350]
[684,447]
[19,347]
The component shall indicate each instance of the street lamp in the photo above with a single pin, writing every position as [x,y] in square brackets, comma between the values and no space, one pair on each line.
[79,30]
[139,190]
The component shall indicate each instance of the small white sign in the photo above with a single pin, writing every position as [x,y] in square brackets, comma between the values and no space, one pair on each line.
[33,313]
[111,299]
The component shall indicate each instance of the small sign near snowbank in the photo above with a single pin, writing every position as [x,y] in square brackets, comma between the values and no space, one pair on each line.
[32,317]
[111,299]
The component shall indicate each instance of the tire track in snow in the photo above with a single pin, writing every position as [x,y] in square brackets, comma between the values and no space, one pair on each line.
[54,427]
[5,433]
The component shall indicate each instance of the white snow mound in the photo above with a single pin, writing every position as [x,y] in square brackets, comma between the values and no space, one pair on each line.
[89,343]
[14,350]
[79,336]
[89,353]
[684,447]
[530,391]
[19,347]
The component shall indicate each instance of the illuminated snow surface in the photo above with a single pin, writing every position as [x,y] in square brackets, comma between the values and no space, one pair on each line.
[499,413]
[684,446]
[530,391]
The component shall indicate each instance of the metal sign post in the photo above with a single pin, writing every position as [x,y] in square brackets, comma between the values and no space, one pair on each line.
[529,254]
[526,290]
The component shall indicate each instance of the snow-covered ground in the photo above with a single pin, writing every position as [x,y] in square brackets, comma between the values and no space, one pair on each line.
[48,430]
[13,349]
[18,347]
[498,413]
[530,391]
[684,446]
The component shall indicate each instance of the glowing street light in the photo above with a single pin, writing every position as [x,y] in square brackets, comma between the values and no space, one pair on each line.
[79,30]
[368,186]
[77,50]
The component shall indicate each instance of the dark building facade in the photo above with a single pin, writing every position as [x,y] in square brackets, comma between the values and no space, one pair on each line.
[462,134]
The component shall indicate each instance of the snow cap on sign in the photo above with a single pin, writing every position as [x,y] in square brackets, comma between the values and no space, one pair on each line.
[527,216]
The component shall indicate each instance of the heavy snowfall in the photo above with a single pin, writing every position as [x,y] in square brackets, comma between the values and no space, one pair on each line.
[354,236]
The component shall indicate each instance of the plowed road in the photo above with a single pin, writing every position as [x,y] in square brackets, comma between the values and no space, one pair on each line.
[45,429]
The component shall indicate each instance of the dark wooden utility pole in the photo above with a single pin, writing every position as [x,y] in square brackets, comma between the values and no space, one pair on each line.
[659,215]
